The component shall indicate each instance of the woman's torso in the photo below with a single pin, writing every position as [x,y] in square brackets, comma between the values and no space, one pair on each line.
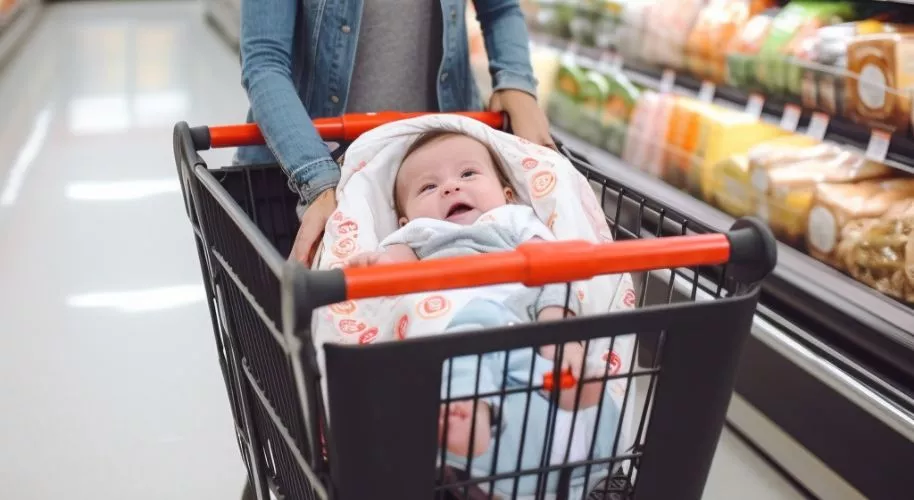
[340,66]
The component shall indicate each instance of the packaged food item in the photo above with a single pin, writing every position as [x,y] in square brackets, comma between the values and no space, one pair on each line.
[555,16]
[617,111]
[794,25]
[784,184]
[594,91]
[881,80]
[655,135]
[743,50]
[643,118]
[668,29]
[880,251]
[582,23]
[633,30]
[608,24]
[837,205]
[731,191]
[562,107]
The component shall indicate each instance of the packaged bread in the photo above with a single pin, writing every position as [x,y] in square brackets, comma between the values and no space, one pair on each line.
[835,206]
[880,251]
[784,187]
[881,79]
[731,191]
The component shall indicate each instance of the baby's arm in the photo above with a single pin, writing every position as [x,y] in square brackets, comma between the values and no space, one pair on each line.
[389,255]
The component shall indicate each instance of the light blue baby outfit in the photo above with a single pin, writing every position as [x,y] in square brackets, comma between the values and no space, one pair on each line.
[511,226]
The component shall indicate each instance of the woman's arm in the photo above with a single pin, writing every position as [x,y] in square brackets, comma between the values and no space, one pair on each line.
[507,44]
[267,34]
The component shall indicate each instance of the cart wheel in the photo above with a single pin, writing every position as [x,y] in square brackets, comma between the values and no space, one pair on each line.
[248,492]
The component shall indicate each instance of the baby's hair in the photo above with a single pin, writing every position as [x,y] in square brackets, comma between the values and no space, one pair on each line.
[430,136]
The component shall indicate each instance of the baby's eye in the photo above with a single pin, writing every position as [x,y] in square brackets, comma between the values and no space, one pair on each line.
[426,187]
[468,173]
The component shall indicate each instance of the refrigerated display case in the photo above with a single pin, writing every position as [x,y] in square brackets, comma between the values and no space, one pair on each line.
[225,17]
[17,18]
[798,113]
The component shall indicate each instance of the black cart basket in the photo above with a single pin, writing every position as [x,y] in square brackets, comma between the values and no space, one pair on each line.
[367,426]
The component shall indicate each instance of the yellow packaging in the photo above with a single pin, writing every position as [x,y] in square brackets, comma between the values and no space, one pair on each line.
[731,189]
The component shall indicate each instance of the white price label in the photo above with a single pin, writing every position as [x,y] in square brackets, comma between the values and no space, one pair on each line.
[754,105]
[818,125]
[878,147]
[706,92]
[791,118]
[667,81]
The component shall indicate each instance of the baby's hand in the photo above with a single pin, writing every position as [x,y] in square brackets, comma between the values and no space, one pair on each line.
[553,313]
[367,259]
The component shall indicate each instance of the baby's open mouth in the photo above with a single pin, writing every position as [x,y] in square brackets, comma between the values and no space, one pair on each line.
[458,209]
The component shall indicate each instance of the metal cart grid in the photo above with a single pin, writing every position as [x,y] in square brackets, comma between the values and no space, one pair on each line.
[244,221]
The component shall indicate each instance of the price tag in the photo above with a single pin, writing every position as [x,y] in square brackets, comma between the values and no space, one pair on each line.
[667,81]
[791,118]
[878,147]
[754,105]
[706,92]
[818,125]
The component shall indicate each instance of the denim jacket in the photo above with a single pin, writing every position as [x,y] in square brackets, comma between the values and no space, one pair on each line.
[296,63]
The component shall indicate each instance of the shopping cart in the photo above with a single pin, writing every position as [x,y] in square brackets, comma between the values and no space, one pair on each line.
[374,435]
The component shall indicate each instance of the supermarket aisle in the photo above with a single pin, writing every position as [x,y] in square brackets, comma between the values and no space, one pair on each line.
[107,362]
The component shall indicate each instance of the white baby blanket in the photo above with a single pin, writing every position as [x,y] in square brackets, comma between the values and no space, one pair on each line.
[560,196]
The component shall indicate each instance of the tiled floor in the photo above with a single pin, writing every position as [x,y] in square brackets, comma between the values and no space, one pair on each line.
[107,365]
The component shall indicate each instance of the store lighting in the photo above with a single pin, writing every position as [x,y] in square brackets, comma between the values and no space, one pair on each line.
[139,301]
[25,158]
[121,190]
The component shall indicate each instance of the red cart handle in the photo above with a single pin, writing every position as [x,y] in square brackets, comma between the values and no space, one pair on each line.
[749,247]
[342,128]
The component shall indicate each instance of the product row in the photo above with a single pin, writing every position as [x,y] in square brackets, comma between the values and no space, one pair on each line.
[849,59]
[826,199]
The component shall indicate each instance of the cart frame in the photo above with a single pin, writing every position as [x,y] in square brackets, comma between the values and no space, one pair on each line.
[261,307]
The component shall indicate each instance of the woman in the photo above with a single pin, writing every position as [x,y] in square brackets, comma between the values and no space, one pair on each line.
[305,59]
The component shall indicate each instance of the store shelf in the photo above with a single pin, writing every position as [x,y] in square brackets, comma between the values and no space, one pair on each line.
[868,325]
[840,130]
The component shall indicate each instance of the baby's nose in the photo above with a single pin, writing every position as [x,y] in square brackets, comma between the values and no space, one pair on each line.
[451,189]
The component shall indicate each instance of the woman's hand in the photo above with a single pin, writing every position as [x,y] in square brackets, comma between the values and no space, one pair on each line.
[527,119]
[312,227]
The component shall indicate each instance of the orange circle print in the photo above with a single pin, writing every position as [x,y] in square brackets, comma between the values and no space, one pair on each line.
[529,163]
[343,308]
[615,362]
[351,326]
[369,335]
[344,247]
[550,223]
[347,226]
[402,326]
[433,307]
[542,184]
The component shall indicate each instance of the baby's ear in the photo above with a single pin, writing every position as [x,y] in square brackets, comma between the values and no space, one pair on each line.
[509,195]
[402,221]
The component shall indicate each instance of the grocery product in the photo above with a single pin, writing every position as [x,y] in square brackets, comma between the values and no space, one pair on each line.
[633,31]
[881,80]
[835,206]
[594,91]
[582,26]
[670,23]
[784,182]
[743,50]
[608,24]
[793,26]
[617,111]
[880,251]
[730,189]
[562,107]
[644,116]
[554,17]
[716,26]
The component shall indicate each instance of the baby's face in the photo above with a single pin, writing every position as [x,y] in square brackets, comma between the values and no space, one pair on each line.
[452,179]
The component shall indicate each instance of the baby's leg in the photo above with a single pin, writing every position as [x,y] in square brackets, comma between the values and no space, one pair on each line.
[573,360]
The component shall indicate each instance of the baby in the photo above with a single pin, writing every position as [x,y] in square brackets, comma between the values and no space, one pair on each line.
[452,198]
